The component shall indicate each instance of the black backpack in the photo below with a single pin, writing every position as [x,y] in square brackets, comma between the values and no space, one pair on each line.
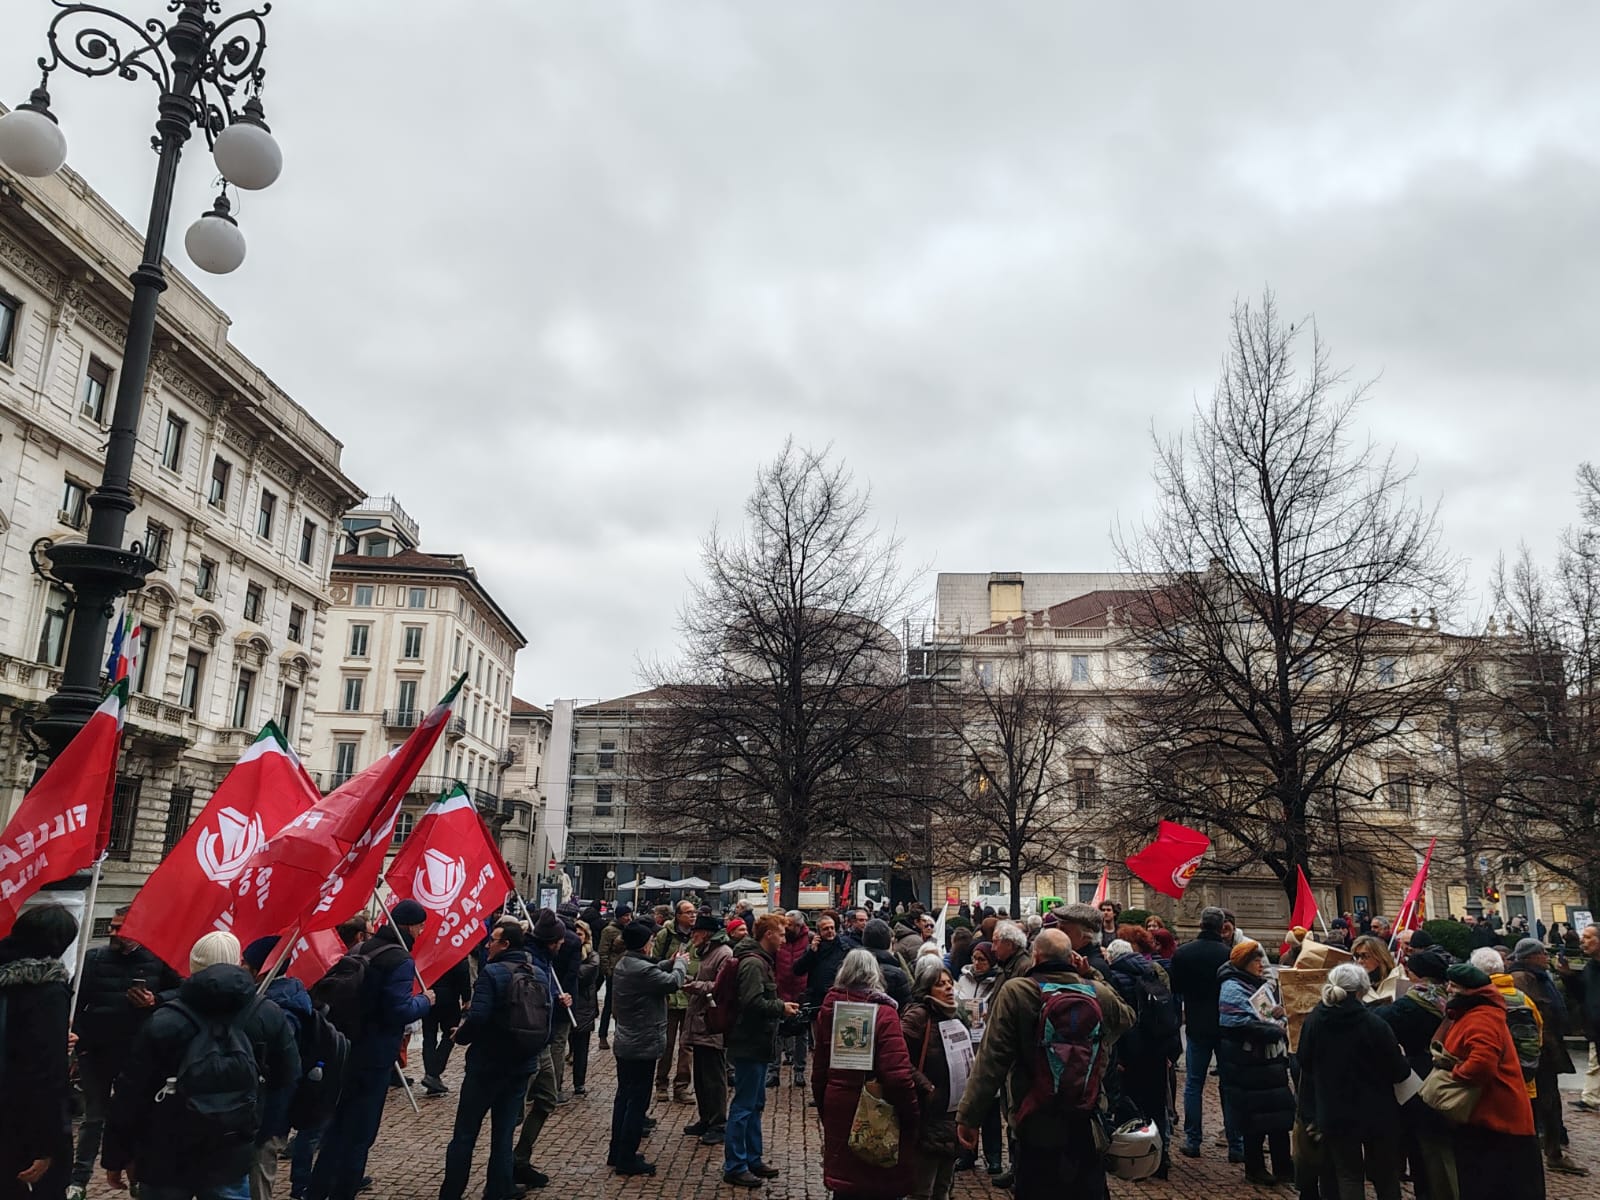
[347,993]
[217,1084]
[323,1053]
[1156,1023]
[528,1010]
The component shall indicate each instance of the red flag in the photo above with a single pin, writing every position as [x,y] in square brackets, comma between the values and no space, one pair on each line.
[313,954]
[1103,887]
[1411,911]
[451,866]
[57,828]
[322,866]
[1305,906]
[192,891]
[1169,863]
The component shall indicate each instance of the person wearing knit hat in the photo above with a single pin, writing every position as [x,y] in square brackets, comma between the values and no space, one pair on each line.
[1244,952]
[292,999]
[1530,971]
[1254,1079]
[736,929]
[390,977]
[218,946]
[1466,977]
[257,952]
[545,943]
[640,1038]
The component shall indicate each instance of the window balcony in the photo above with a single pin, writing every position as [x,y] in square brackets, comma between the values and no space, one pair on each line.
[401,718]
[457,729]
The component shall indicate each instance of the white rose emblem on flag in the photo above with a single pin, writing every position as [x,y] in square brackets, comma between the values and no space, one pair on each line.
[224,851]
[438,880]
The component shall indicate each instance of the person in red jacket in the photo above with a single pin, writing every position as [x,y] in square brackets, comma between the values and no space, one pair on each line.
[792,987]
[837,1090]
[1497,1152]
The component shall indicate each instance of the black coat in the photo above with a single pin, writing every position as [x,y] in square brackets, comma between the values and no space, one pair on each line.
[1195,983]
[152,1137]
[1414,1024]
[106,1021]
[451,994]
[819,966]
[35,1097]
[1349,1064]
[1253,1062]
[585,994]
[895,980]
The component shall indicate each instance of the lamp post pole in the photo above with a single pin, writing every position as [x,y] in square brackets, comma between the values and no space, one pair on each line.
[197,64]
[1474,888]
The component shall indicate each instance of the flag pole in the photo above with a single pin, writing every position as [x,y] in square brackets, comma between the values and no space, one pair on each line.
[85,932]
[404,1083]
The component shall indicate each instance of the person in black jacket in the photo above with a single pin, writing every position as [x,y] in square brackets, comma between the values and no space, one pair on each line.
[1349,1064]
[121,986]
[1253,1065]
[585,1007]
[497,1072]
[1145,1051]
[821,962]
[1195,983]
[875,939]
[439,1024]
[36,1096]
[158,1145]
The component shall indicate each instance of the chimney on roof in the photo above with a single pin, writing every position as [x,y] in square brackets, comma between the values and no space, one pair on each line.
[1005,596]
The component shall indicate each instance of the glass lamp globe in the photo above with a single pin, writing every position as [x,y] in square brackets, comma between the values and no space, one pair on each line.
[31,143]
[214,242]
[246,153]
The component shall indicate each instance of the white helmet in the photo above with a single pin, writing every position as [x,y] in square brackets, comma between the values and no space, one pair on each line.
[1135,1151]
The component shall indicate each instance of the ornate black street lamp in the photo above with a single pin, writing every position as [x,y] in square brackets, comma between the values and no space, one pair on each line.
[204,66]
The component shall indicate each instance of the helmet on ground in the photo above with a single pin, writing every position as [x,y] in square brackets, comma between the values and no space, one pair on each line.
[1135,1151]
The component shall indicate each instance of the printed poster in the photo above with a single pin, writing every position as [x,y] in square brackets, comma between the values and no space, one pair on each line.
[957,1056]
[1302,992]
[855,1030]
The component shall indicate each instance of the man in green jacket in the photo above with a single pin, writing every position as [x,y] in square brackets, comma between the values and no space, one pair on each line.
[673,940]
[1055,1153]
[752,1043]
[611,949]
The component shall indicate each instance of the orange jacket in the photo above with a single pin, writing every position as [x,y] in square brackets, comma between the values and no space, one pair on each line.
[1476,1033]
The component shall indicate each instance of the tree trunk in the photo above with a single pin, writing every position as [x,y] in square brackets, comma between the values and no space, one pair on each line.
[1016,889]
[789,882]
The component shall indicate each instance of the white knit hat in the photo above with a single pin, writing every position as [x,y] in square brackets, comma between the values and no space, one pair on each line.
[218,946]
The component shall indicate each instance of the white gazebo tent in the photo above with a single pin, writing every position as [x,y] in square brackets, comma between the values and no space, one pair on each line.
[742,885]
[693,883]
[649,881]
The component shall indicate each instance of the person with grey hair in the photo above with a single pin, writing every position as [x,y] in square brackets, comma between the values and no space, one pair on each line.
[1031,925]
[923,1023]
[1011,950]
[1349,1064]
[1194,979]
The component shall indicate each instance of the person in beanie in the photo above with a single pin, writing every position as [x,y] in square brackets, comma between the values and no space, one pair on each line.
[122,984]
[641,1038]
[294,1002]
[342,1158]
[876,939]
[710,1063]
[1415,1020]
[1195,968]
[611,949]
[545,942]
[1530,971]
[36,1101]
[1253,1060]
[165,1147]
[497,1072]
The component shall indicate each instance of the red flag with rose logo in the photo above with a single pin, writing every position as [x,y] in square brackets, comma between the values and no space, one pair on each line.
[1169,863]
[192,891]
[451,866]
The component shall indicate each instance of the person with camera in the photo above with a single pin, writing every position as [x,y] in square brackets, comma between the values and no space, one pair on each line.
[710,949]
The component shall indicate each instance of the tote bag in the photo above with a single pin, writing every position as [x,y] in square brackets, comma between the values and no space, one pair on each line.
[875,1129]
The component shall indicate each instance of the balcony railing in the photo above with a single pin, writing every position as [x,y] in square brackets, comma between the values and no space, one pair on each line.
[401,718]
[457,729]
[508,755]
[431,786]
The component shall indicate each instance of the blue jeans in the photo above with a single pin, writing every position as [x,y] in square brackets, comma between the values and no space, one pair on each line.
[742,1140]
[1198,1053]
[499,1097]
[342,1159]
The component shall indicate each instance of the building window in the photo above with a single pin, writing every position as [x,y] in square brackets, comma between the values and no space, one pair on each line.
[147,647]
[124,815]
[406,703]
[297,623]
[360,635]
[608,755]
[985,673]
[179,804]
[411,646]
[194,667]
[364,595]
[255,598]
[157,541]
[352,693]
[74,503]
[96,381]
[1386,669]
[1397,793]
[377,546]
[417,598]
[602,800]
[1080,668]
[1085,787]
[172,442]
[241,698]
[53,632]
[221,472]
[455,655]
[1158,668]
[8,325]
[287,709]
[308,541]
[404,822]
[265,511]
[344,761]
[205,580]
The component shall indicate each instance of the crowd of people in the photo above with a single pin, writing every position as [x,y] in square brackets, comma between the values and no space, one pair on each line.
[1044,1051]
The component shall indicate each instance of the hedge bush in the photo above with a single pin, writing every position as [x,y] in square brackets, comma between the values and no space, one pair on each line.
[1452,935]
[1133,916]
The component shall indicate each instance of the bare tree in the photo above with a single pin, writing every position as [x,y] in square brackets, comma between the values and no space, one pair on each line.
[781,726]
[1003,786]
[1274,670]
[1545,785]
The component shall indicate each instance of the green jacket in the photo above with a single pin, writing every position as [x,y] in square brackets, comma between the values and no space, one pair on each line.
[612,948]
[754,1036]
[1009,1051]
[668,942]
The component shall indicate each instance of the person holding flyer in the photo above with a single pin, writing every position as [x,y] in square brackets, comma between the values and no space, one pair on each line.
[939,1043]
[975,991]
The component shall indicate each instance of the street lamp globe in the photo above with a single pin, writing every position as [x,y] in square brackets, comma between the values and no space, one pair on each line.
[246,153]
[214,242]
[31,142]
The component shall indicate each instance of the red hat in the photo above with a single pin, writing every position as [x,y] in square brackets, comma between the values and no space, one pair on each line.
[736,928]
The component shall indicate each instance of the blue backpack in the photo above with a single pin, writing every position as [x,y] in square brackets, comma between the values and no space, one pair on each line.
[1069,1057]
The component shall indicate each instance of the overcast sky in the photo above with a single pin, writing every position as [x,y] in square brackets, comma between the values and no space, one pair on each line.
[560,275]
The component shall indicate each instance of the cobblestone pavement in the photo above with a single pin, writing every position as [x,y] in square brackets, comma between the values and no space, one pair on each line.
[408,1161]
